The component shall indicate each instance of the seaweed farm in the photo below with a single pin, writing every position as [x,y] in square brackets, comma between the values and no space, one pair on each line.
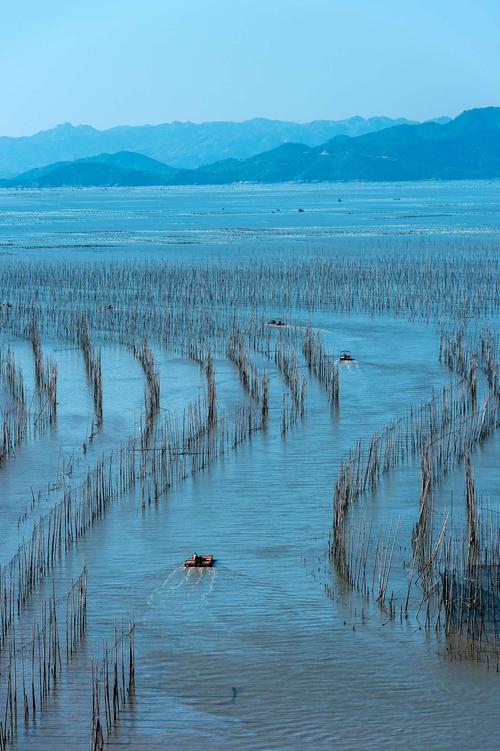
[302,381]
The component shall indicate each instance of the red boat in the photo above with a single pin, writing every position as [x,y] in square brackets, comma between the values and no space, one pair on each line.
[199,561]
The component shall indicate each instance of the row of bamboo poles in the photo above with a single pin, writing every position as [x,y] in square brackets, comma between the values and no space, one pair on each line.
[441,431]
[293,405]
[457,357]
[45,376]
[253,382]
[130,298]
[92,360]
[145,357]
[322,365]
[24,416]
[455,566]
[113,684]
[489,357]
[31,670]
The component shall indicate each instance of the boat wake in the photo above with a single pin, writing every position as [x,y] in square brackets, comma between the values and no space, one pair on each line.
[347,365]
[191,580]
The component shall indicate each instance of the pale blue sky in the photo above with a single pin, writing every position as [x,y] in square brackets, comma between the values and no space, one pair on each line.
[107,62]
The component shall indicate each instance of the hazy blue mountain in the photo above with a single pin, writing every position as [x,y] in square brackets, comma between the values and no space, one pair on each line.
[121,169]
[131,160]
[179,144]
[467,147]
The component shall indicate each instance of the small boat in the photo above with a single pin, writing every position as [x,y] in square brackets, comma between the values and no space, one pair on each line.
[276,322]
[199,561]
[346,357]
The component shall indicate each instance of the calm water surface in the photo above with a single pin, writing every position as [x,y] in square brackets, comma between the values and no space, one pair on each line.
[252,654]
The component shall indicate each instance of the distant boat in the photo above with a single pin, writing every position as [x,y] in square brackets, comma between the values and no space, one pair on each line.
[199,561]
[275,322]
[346,357]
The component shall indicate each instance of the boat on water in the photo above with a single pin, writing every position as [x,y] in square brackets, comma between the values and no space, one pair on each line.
[346,357]
[275,322]
[199,561]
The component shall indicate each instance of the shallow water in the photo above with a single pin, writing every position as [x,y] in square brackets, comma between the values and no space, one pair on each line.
[252,654]
[202,221]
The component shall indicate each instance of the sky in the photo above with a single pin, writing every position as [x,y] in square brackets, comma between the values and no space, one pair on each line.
[111,62]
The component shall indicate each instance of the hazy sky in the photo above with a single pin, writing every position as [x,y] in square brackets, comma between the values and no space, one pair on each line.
[107,62]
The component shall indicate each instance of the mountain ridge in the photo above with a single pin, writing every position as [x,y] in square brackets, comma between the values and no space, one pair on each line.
[183,145]
[467,147]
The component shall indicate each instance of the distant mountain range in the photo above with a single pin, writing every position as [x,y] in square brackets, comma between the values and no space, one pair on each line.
[183,145]
[467,147]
